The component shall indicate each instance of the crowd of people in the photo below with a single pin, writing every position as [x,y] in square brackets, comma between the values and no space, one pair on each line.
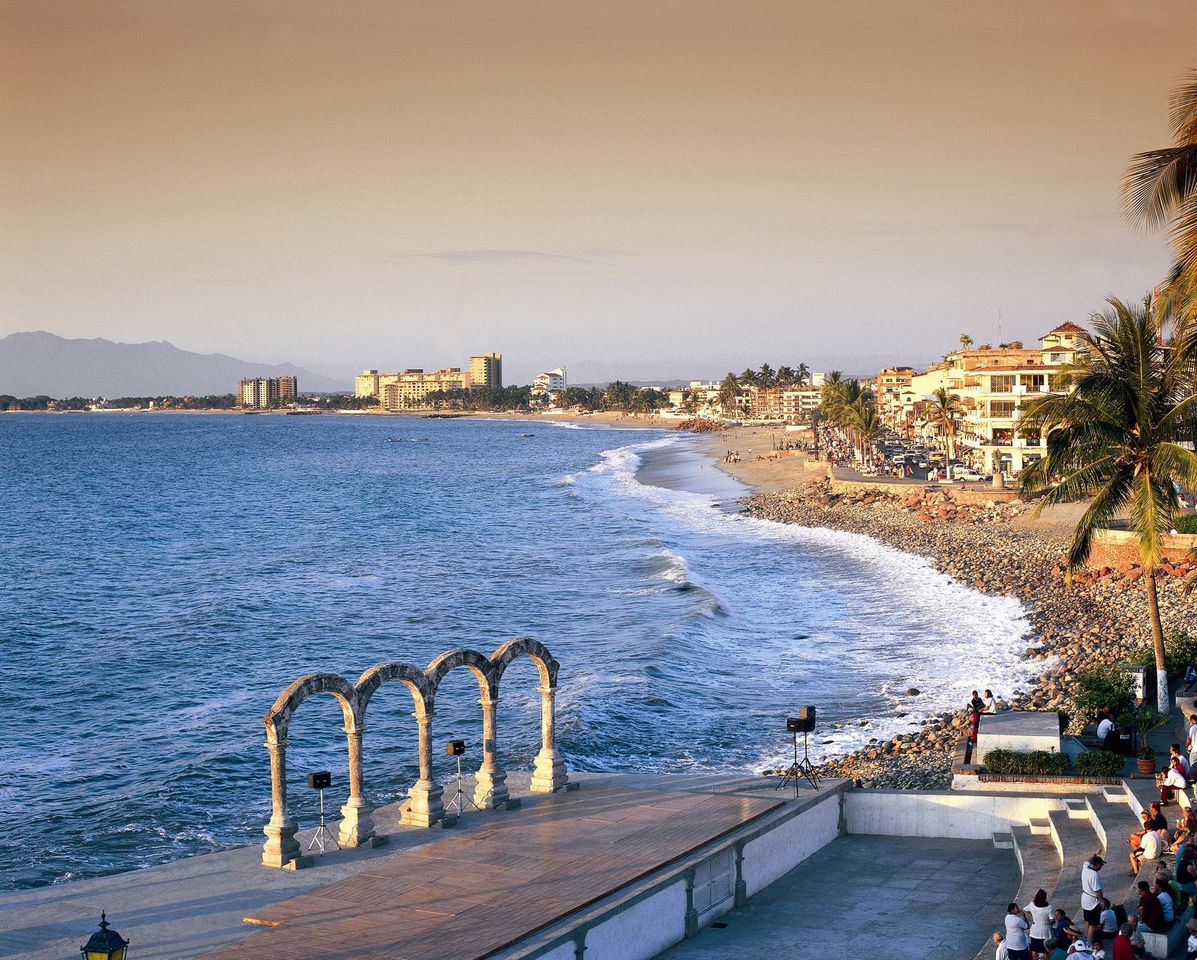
[1041,931]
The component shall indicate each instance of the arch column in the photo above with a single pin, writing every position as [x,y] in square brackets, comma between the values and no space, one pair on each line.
[424,806]
[491,778]
[548,773]
[281,848]
[357,826]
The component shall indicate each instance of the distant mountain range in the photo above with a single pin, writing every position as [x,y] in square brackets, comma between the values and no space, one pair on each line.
[40,363]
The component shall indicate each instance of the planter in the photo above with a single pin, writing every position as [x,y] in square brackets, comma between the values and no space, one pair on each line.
[1147,766]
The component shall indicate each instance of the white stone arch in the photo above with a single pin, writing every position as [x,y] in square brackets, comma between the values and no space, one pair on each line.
[424,807]
[549,774]
[281,848]
[490,779]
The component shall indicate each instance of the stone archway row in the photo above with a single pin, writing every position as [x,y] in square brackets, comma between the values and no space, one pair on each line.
[424,805]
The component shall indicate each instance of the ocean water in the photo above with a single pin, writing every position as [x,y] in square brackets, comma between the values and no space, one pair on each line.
[165,576]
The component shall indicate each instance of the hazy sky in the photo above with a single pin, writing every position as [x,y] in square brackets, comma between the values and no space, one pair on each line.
[646,188]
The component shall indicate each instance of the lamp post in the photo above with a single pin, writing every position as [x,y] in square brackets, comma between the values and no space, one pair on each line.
[104,944]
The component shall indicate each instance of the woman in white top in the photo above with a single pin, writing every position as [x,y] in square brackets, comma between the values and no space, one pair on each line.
[1040,913]
[1017,946]
[990,702]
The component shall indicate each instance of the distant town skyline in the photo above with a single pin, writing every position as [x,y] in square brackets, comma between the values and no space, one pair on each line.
[644,191]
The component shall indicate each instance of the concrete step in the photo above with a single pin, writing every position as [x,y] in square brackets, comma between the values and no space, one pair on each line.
[1076,841]
[1078,808]
[1003,841]
[1038,861]
[1039,825]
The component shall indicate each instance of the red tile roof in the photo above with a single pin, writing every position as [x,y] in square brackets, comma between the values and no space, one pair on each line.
[1066,327]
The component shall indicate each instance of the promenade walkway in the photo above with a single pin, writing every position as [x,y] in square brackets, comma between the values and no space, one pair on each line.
[616,828]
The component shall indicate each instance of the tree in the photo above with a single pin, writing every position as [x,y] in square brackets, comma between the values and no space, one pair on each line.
[1160,187]
[862,423]
[1116,436]
[802,374]
[785,376]
[748,378]
[965,341]
[729,393]
[766,377]
[944,410]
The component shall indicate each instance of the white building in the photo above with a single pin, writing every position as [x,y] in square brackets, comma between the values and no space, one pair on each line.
[548,385]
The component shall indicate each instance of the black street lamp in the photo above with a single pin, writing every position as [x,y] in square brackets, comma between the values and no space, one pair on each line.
[104,944]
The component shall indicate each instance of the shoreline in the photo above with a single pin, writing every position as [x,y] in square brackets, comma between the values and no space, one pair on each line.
[994,549]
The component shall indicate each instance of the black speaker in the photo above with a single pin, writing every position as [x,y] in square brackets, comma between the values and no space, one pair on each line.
[320,781]
[455,748]
[804,722]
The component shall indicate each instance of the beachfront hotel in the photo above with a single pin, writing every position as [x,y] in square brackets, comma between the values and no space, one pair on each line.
[409,389]
[994,385]
[486,370]
[263,393]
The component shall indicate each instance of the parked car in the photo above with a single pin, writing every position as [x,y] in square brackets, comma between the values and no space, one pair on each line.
[968,473]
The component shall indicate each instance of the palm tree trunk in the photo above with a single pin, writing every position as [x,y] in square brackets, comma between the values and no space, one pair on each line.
[1163,704]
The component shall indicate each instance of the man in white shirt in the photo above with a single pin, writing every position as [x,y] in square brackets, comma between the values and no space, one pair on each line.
[1001,953]
[1191,739]
[1091,895]
[1152,846]
[1104,729]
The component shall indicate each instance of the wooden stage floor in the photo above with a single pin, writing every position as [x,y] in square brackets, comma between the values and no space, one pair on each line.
[466,897]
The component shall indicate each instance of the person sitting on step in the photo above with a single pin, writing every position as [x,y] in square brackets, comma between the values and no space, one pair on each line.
[1151,914]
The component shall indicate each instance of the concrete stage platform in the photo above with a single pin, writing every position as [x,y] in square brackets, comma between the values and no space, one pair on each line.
[473,891]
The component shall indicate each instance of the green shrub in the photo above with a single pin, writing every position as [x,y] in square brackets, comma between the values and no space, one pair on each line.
[1186,523]
[1026,763]
[1065,720]
[1102,688]
[1180,649]
[1099,763]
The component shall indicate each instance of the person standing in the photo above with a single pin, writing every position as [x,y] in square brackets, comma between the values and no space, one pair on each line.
[1091,895]
[1000,952]
[1191,739]
[975,705]
[1040,912]
[1017,944]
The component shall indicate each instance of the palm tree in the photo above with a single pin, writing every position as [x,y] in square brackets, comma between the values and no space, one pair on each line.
[729,392]
[1116,436]
[785,376]
[802,374]
[749,377]
[945,411]
[965,341]
[1160,187]
[766,377]
[863,423]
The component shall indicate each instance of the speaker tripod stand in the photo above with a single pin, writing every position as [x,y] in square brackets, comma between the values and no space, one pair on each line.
[800,769]
[323,835]
[460,798]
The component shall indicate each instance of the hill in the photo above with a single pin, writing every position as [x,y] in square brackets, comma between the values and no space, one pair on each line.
[37,363]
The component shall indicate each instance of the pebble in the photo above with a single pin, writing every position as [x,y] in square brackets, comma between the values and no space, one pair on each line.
[1099,618]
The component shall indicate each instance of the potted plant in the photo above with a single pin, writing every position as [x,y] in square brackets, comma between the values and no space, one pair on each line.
[1145,721]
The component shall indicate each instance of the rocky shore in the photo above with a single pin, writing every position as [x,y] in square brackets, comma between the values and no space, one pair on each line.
[1094,620]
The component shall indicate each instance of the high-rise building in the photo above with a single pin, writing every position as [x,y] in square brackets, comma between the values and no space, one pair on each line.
[262,393]
[486,370]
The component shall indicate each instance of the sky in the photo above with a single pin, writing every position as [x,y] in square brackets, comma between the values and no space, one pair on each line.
[639,189]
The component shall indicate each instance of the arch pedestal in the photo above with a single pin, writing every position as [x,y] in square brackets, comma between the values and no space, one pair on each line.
[424,804]
[491,779]
[281,849]
[548,775]
[357,826]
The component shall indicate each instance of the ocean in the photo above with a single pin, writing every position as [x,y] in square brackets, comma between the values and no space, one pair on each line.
[165,576]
